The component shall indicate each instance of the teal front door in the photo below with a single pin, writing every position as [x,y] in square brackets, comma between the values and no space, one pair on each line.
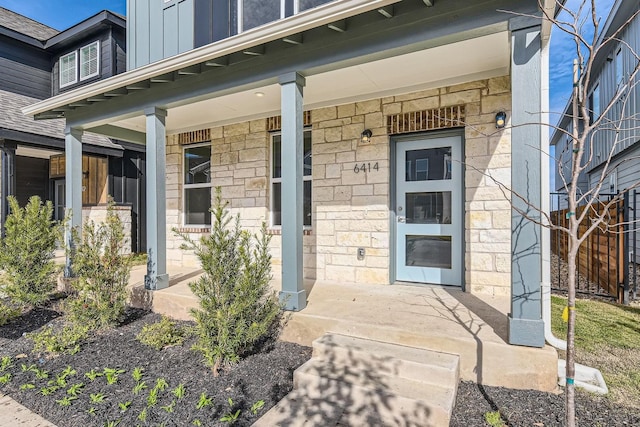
[428,210]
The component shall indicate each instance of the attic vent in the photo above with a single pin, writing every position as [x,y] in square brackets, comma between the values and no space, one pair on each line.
[437,118]
[201,135]
[275,123]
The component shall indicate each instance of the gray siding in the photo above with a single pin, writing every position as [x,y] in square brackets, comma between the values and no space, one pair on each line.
[24,69]
[170,21]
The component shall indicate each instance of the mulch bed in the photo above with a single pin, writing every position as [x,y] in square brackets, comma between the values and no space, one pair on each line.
[265,376]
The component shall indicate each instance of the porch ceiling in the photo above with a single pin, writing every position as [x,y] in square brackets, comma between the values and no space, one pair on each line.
[460,62]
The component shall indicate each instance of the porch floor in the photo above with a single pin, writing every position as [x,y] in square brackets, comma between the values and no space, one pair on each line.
[443,319]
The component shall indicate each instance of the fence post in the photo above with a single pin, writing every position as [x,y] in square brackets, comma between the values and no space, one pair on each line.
[626,254]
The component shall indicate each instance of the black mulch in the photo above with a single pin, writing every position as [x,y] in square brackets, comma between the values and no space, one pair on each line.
[265,376]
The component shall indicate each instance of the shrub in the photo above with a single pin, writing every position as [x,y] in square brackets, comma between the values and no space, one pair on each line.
[66,340]
[8,312]
[161,334]
[102,269]
[27,250]
[238,310]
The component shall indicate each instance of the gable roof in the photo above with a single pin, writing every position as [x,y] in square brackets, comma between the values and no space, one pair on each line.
[23,25]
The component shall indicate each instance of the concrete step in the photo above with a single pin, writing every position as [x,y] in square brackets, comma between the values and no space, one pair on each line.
[299,410]
[426,366]
[364,392]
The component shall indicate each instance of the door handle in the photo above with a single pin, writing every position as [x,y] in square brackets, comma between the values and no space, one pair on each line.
[402,219]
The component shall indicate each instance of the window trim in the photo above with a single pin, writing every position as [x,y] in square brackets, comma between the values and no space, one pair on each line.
[186,187]
[79,61]
[75,69]
[273,180]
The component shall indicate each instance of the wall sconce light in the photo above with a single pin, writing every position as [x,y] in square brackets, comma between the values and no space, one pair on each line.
[501,120]
[365,137]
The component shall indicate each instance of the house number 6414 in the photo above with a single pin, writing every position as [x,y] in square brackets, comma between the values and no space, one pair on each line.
[365,167]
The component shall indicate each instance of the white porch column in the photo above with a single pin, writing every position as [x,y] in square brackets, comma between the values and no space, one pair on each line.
[156,277]
[73,190]
[293,294]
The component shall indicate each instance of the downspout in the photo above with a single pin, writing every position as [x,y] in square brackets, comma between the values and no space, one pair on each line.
[588,378]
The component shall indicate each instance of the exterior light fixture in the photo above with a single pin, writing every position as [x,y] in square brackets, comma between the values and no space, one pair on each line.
[365,137]
[501,120]
[259,94]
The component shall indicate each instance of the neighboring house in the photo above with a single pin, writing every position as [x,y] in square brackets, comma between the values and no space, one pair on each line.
[37,62]
[361,131]
[617,141]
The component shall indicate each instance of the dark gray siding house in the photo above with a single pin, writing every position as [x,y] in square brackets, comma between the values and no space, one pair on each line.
[37,62]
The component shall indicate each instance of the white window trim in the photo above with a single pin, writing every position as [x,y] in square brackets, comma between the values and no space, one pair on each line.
[75,68]
[79,61]
[273,180]
[186,187]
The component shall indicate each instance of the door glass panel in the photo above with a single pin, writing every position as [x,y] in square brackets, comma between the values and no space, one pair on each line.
[428,251]
[428,208]
[429,164]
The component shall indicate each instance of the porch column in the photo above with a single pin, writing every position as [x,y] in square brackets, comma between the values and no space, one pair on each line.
[156,277]
[7,179]
[293,294]
[526,326]
[73,189]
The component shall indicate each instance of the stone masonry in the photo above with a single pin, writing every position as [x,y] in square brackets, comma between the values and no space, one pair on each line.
[351,210]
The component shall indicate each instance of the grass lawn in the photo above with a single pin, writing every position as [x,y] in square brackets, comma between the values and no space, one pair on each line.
[607,338]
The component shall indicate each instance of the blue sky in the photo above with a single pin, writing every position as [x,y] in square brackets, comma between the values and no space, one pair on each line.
[61,14]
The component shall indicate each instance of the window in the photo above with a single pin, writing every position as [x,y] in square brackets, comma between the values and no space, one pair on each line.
[68,64]
[594,104]
[89,60]
[253,13]
[619,68]
[197,185]
[276,179]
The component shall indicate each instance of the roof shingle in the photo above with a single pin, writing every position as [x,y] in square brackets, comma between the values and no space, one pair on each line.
[21,24]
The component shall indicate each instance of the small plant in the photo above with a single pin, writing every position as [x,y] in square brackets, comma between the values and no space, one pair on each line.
[67,340]
[124,406]
[46,391]
[230,417]
[238,309]
[25,368]
[92,411]
[137,374]
[111,374]
[179,391]
[204,401]
[93,374]
[161,384]
[8,312]
[27,386]
[97,397]
[152,399]
[27,251]
[75,389]
[494,419]
[197,422]
[256,407]
[5,363]
[66,401]
[170,407]
[111,423]
[143,415]
[41,374]
[68,371]
[139,387]
[162,334]
[5,378]
[103,269]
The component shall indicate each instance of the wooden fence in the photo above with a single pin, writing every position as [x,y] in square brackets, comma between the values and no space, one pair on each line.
[601,257]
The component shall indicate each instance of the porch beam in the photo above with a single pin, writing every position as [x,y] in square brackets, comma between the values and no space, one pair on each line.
[120,133]
[526,326]
[293,294]
[73,191]
[156,277]
[7,179]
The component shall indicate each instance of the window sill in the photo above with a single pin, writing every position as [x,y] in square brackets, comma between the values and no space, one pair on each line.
[193,230]
[278,231]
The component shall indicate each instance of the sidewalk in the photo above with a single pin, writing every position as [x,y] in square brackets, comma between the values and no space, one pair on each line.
[14,414]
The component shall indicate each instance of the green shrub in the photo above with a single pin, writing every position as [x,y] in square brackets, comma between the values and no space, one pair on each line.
[8,312]
[27,251]
[161,334]
[238,310]
[102,269]
[66,340]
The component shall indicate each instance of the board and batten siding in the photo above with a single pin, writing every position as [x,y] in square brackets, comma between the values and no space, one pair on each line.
[628,104]
[149,21]
[24,69]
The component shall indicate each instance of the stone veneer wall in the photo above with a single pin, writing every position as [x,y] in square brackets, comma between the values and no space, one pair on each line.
[352,210]
[98,214]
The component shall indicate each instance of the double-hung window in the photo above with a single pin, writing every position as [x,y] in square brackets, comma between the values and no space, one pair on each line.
[276,180]
[197,185]
[89,60]
[68,66]
[253,13]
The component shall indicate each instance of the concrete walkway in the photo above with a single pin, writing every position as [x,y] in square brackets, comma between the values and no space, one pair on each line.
[14,414]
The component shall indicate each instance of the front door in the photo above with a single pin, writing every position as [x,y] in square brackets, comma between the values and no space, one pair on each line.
[429,210]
